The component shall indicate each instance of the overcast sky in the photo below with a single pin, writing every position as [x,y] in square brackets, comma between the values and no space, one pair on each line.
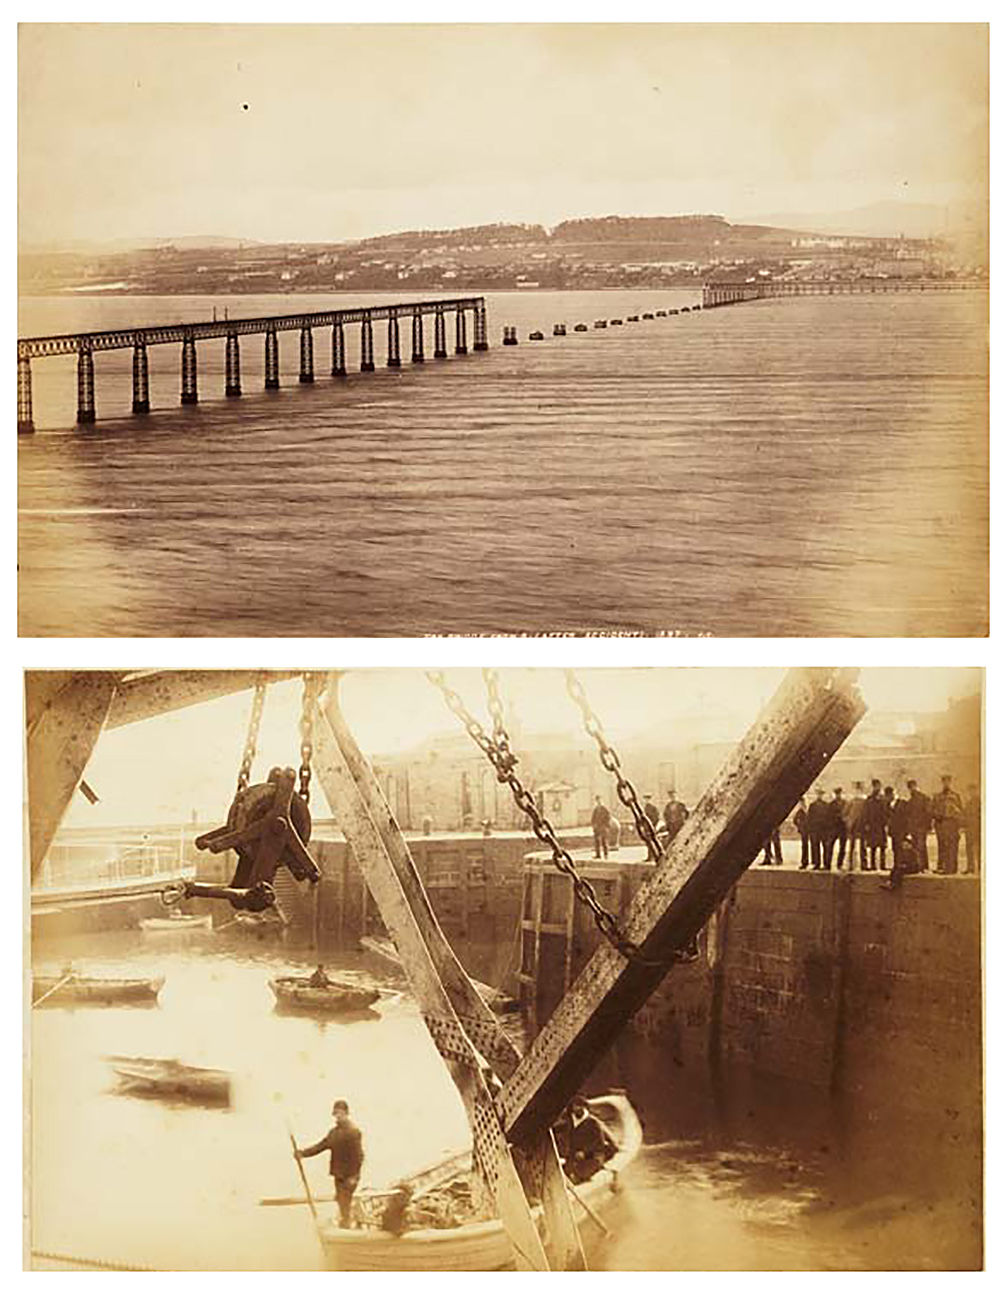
[336,132]
[162,769]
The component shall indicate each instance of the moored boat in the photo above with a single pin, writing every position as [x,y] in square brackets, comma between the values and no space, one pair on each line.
[295,992]
[484,1244]
[60,990]
[168,1078]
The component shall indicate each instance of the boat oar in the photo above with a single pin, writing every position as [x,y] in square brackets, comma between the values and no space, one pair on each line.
[302,1176]
[590,1211]
[70,975]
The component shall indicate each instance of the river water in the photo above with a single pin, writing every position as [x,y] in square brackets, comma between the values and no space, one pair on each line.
[793,467]
[721,1185]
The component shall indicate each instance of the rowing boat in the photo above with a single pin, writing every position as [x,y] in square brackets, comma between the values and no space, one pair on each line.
[167,1077]
[295,992]
[176,925]
[482,1245]
[91,989]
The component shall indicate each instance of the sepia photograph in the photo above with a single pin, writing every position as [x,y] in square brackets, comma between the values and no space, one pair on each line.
[619,969]
[598,330]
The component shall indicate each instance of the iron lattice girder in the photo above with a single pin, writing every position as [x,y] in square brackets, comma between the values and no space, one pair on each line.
[55,345]
[436,983]
[539,1170]
[805,723]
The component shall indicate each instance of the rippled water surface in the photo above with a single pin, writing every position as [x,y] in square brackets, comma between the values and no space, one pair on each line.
[795,467]
[722,1184]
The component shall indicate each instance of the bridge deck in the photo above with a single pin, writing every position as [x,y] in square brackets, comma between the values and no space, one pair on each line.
[102,340]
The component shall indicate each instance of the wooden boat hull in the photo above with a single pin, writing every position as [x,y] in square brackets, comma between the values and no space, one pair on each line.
[157,1077]
[292,993]
[84,989]
[484,1245]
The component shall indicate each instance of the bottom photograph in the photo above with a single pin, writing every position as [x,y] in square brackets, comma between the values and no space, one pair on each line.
[614,969]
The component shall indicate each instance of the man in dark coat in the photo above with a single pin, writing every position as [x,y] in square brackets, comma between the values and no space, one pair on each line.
[347,1156]
[899,822]
[918,821]
[589,1145]
[904,862]
[674,816]
[875,828]
[947,812]
[600,823]
[819,831]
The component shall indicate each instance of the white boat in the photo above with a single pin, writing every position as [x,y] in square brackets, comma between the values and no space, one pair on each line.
[176,925]
[74,988]
[482,1245]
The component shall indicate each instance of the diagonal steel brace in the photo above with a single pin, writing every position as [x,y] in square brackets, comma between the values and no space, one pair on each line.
[463,1028]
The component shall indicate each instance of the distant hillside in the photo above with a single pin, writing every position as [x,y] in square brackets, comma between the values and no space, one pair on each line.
[658,230]
[492,234]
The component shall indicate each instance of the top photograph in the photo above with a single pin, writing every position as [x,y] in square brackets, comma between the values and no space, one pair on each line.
[612,330]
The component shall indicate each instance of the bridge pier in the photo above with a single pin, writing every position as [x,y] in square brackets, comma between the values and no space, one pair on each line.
[460,346]
[367,346]
[140,379]
[86,413]
[25,422]
[339,356]
[418,336]
[440,350]
[479,328]
[189,373]
[233,388]
[393,341]
[271,378]
[306,355]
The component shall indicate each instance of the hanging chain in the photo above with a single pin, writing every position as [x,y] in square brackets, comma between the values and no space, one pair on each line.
[611,762]
[497,750]
[501,739]
[250,749]
[312,685]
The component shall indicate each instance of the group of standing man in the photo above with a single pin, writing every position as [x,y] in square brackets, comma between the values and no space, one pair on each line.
[667,824]
[859,830]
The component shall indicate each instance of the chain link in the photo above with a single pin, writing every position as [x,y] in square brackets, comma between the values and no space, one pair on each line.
[312,684]
[250,749]
[611,762]
[497,750]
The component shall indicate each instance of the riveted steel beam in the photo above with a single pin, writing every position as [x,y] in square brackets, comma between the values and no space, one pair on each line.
[805,723]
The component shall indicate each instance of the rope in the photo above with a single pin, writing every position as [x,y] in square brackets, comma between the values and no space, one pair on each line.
[112,1265]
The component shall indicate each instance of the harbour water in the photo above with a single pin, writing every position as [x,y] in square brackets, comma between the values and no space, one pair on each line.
[805,467]
[723,1183]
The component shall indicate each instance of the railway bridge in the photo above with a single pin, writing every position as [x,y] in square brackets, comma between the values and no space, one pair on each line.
[722,293]
[140,338]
